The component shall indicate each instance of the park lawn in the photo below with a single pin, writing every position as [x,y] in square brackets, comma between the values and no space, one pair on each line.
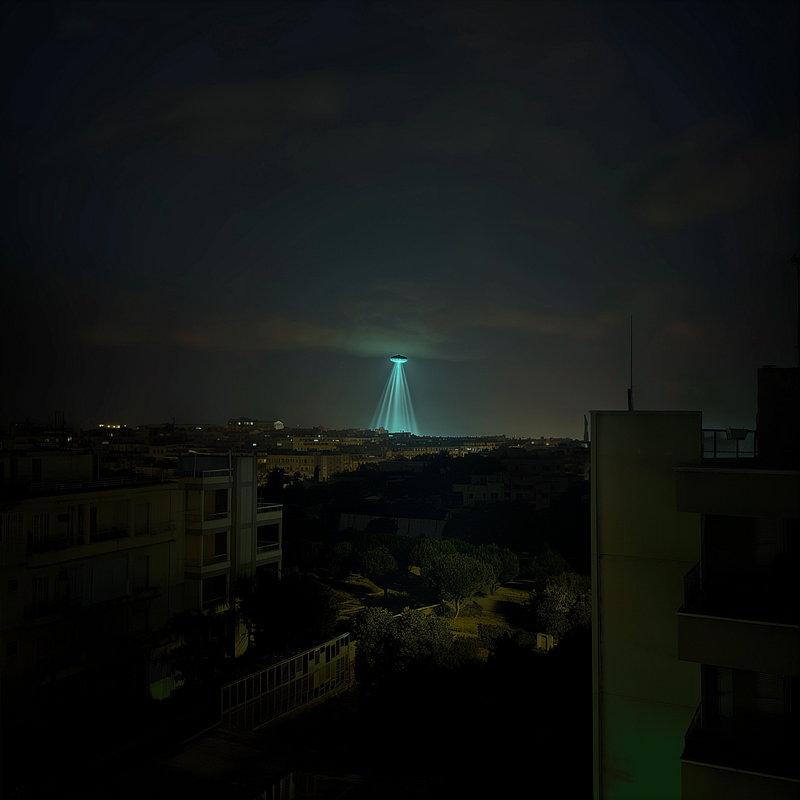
[495,609]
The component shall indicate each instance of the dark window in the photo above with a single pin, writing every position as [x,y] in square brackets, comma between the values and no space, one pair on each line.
[221,501]
[13,585]
[221,544]
[215,590]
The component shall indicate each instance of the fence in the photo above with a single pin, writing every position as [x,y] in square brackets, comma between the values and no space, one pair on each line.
[258,698]
[729,443]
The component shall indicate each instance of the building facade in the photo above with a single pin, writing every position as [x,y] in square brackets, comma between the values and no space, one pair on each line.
[696,636]
[93,568]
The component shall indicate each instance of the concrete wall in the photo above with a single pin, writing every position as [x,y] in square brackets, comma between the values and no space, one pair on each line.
[644,698]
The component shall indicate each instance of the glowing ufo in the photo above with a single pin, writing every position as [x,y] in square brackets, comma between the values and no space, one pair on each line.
[398,359]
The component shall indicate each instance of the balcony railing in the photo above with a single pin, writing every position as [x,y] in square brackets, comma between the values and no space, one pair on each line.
[105,534]
[768,597]
[42,609]
[208,561]
[43,545]
[100,483]
[152,528]
[729,443]
[206,473]
[266,547]
[767,744]
[263,508]
[196,516]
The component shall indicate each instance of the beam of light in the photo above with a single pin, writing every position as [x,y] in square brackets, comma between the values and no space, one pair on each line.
[394,411]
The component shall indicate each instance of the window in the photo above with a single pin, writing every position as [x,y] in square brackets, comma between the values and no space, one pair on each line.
[220,546]
[141,573]
[41,527]
[12,526]
[215,590]
[41,649]
[40,591]
[141,518]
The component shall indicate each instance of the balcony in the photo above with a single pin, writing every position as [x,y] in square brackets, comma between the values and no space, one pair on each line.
[44,609]
[267,552]
[213,561]
[154,528]
[44,545]
[766,746]
[208,476]
[203,522]
[750,625]
[729,443]
[106,533]
[57,487]
[271,509]
[738,492]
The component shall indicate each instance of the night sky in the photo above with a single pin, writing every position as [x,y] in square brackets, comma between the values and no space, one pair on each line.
[222,209]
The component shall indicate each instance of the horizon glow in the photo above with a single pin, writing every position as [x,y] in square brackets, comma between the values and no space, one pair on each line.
[395,411]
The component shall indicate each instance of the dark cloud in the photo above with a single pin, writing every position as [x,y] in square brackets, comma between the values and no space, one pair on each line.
[287,194]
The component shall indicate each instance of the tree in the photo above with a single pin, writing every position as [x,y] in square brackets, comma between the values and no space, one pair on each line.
[288,612]
[503,561]
[199,659]
[427,551]
[458,577]
[341,560]
[378,562]
[387,645]
[565,603]
[547,565]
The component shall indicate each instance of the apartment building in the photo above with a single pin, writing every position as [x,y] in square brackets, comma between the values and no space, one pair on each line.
[696,630]
[94,567]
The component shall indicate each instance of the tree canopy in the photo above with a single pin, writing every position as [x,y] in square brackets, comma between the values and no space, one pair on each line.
[388,645]
[199,659]
[565,603]
[458,577]
[288,612]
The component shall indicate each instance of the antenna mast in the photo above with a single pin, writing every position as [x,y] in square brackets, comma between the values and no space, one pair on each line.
[795,259]
[630,390]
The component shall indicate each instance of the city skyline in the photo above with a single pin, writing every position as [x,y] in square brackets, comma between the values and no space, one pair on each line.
[241,208]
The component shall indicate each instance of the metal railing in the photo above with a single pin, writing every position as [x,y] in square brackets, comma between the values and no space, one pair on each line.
[263,508]
[105,534]
[305,677]
[196,516]
[765,597]
[729,443]
[153,528]
[767,745]
[265,547]
[208,561]
[43,545]
[206,473]
[99,483]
